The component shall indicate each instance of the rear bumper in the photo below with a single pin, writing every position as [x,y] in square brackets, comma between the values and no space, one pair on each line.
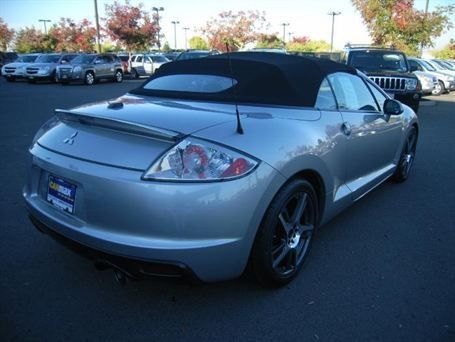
[209,228]
[133,268]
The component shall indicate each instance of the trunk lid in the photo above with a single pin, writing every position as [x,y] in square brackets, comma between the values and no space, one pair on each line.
[130,132]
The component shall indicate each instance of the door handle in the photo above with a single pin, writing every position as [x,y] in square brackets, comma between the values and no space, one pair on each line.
[346,128]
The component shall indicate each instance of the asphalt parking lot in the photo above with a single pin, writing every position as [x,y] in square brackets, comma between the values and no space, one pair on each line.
[384,270]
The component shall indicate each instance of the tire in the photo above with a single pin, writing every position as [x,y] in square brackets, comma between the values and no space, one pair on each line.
[407,157]
[10,79]
[89,78]
[284,238]
[54,78]
[135,74]
[118,77]
[415,106]
[438,89]
[443,88]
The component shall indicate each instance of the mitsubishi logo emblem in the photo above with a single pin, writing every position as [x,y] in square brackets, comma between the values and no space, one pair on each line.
[70,140]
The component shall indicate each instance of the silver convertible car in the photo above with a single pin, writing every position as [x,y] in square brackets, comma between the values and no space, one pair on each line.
[217,165]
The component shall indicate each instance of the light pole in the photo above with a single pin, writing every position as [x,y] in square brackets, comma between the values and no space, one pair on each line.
[284,31]
[97,26]
[424,19]
[44,21]
[175,22]
[333,14]
[289,36]
[157,11]
[186,38]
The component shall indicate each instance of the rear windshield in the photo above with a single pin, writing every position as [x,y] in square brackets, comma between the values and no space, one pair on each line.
[370,60]
[191,83]
[26,59]
[83,59]
[48,59]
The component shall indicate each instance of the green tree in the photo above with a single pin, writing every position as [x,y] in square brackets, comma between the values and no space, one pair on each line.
[198,43]
[166,47]
[30,39]
[304,44]
[269,41]
[6,35]
[448,52]
[398,23]
[234,29]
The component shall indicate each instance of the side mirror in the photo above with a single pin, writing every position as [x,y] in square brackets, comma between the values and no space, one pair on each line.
[414,68]
[64,61]
[392,107]
[98,61]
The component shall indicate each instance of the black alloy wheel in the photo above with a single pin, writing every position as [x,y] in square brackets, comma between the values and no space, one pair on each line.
[284,239]
[407,157]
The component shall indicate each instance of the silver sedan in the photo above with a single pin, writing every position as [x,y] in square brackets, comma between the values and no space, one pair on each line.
[215,164]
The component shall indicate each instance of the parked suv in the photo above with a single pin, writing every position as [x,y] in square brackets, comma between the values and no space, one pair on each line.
[389,69]
[446,82]
[5,58]
[146,64]
[45,66]
[16,70]
[90,68]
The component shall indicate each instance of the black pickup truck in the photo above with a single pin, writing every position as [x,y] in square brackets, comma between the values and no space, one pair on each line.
[389,69]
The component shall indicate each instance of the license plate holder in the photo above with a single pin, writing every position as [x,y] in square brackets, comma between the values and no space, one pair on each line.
[61,194]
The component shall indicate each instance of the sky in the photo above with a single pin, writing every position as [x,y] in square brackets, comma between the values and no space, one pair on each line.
[305,17]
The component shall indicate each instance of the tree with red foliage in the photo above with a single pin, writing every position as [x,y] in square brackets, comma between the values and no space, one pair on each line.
[301,40]
[6,35]
[397,22]
[71,36]
[269,41]
[131,26]
[236,29]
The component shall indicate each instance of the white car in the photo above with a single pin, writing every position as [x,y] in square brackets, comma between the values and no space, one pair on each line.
[146,64]
[446,82]
[428,81]
[16,70]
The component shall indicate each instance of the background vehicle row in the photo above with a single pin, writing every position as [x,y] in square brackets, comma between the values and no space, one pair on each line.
[90,68]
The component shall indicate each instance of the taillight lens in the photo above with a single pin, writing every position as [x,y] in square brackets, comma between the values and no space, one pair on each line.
[197,160]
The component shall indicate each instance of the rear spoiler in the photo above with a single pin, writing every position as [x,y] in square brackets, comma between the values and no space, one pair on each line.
[118,125]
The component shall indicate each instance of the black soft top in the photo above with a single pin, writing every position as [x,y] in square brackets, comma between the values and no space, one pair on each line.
[262,78]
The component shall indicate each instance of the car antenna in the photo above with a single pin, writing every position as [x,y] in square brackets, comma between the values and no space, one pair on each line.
[237,113]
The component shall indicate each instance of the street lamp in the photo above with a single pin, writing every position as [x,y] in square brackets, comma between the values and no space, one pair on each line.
[333,14]
[44,21]
[175,22]
[284,31]
[289,36]
[186,38]
[157,10]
